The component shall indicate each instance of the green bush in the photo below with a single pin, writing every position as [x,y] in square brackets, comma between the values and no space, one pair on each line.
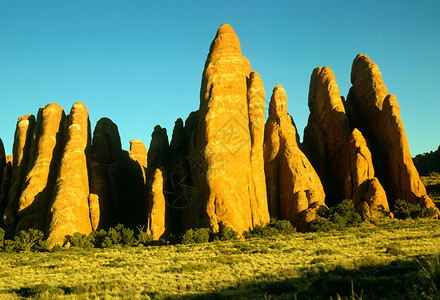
[197,236]
[338,217]
[405,210]
[321,224]
[119,235]
[81,241]
[273,228]
[2,237]
[9,246]
[225,234]
[28,240]
[57,248]
[143,236]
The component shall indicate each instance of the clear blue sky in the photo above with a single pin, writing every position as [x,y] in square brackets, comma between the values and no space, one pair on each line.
[140,62]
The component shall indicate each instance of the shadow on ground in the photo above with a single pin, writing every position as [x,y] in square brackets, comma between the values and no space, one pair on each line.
[400,279]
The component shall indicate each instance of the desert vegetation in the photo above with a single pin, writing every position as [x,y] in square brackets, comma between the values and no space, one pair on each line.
[346,257]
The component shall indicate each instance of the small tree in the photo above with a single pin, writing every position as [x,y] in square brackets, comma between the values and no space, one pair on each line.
[28,240]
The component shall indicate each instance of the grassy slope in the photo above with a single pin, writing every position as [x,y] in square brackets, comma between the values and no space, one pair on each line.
[382,261]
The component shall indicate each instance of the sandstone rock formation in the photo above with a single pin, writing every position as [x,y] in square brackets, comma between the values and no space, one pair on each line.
[22,142]
[157,188]
[256,106]
[6,183]
[104,152]
[44,158]
[377,115]
[69,210]
[294,190]
[116,181]
[341,156]
[222,170]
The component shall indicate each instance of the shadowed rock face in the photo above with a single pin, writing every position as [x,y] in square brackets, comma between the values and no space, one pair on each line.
[294,190]
[69,210]
[341,156]
[44,158]
[104,152]
[22,142]
[2,160]
[6,184]
[222,169]
[157,188]
[377,114]
[116,180]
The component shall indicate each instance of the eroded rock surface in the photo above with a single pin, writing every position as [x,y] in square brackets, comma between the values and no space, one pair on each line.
[158,189]
[221,148]
[69,211]
[341,156]
[377,114]
[44,158]
[294,190]
[22,142]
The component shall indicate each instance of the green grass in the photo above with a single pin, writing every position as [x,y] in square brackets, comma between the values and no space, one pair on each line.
[432,184]
[382,259]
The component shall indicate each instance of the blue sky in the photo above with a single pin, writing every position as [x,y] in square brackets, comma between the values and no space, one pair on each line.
[140,62]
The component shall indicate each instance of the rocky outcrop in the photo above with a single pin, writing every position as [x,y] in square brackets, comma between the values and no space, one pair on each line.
[294,190]
[22,142]
[6,183]
[104,153]
[117,179]
[256,106]
[44,158]
[221,145]
[69,210]
[341,156]
[158,220]
[377,115]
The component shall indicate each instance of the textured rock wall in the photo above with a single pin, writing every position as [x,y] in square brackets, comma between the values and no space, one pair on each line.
[295,192]
[341,156]
[377,114]
[22,142]
[44,158]
[69,209]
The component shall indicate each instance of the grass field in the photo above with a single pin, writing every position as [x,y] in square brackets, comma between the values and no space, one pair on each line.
[382,259]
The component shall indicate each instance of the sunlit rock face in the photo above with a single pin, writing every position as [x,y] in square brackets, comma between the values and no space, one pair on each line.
[340,155]
[294,190]
[22,142]
[377,115]
[44,158]
[69,208]
[222,170]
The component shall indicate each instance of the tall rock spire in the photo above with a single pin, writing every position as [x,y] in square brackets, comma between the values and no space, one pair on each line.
[44,158]
[22,142]
[377,114]
[222,169]
[347,170]
[69,209]
[294,190]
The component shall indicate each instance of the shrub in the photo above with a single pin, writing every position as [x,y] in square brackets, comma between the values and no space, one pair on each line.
[144,237]
[197,236]
[405,210]
[81,241]
[226,234]
[118,235]
[28,240]
[9,246]
[2,237]
[321,224]
[57,248]
[274,227]
[338,217]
